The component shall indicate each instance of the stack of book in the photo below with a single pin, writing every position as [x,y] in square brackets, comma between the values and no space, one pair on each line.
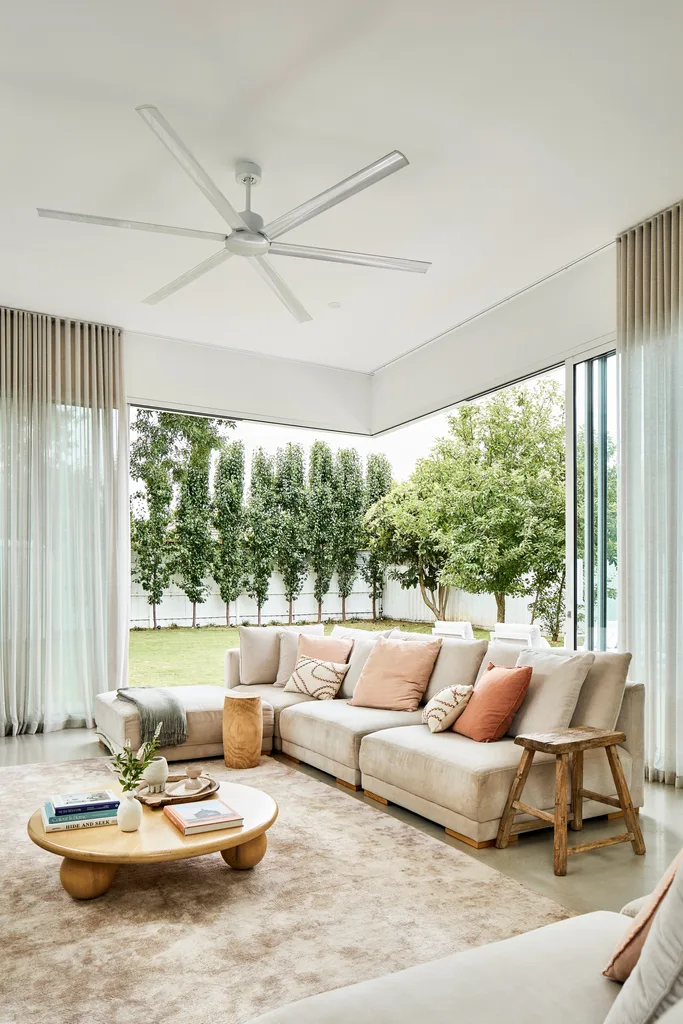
[202,816]
[79,810]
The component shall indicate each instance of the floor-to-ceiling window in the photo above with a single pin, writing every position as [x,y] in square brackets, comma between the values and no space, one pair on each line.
[594,502]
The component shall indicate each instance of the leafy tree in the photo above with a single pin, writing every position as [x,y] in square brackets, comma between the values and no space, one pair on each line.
[377,484]
[260,536]
[498,480]
[321,519]
[403,531]
[151,510]
[349,508]
[196,438]
[291,546]
[228,511]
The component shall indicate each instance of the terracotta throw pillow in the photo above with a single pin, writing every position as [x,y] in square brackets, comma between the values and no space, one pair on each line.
[494,703]
[442,710]
[627,953]
[325,648]
[396,675]
[315,678]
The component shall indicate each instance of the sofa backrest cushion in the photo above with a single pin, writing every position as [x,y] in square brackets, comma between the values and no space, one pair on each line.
[260,651]
[349,631]
[602,692]
[362,648]
[457,664]
[553,691]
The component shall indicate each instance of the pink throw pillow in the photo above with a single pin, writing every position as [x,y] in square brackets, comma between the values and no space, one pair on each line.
[324,648]
[396,674]
[494,703]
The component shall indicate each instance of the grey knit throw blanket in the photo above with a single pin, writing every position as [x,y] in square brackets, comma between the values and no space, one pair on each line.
[157,704]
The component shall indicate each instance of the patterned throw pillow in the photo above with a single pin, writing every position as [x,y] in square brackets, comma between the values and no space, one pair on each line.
[315,678]
[442,710]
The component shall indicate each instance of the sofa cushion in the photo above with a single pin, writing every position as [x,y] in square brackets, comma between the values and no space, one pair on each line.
[362,648]
[277,698]
[470,778]
[335,728]
[354,634]
[396,675]
[553,691]
[457,664]
[316,678]
[551,974]
[602,692]
[442,710]
[324,648]
[493,704]
[260,651]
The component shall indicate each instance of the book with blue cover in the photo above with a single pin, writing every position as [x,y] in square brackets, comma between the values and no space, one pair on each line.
[53,818]
[81,803]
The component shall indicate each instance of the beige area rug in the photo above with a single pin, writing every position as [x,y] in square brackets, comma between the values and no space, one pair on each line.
[345,892]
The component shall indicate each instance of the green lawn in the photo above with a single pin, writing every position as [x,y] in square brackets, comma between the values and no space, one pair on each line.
[184,656]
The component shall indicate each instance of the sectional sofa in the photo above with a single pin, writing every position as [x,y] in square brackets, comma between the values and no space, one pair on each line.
[448,778]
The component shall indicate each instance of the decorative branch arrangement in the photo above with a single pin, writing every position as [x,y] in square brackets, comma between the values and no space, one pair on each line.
[129,766]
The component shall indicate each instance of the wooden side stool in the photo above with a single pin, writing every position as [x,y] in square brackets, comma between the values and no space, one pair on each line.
[562,743]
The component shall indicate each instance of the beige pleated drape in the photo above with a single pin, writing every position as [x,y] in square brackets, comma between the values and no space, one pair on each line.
[64,549]
[650,540]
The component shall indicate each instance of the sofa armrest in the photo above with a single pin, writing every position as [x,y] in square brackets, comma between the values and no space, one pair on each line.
[232,668]
[632,722]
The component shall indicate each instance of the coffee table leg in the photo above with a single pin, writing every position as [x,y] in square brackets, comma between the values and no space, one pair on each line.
[247,855]
[85,881]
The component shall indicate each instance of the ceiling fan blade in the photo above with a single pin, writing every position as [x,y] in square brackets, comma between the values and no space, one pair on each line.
[363,259]
[136,225]
[282,290]
[189,277]
[348,187]
[179,151]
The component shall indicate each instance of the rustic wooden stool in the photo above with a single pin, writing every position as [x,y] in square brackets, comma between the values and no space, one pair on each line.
[242,730]
[562,743]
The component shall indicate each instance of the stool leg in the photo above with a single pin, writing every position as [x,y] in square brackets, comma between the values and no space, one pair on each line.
[560,846]
[632,823]
[503,837]
[577,786]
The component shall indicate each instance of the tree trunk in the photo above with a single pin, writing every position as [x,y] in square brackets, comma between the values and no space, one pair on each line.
[374,607]
[558,611]
[343,609]
[154,615]
[500,607]
[227,613]
[320,610]
[534,606]
[258,616]
[442,603]
[291,608]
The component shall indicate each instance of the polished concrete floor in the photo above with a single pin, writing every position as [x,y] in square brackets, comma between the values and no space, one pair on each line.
[601,880]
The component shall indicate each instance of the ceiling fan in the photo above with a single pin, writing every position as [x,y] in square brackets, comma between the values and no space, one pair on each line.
[249,237]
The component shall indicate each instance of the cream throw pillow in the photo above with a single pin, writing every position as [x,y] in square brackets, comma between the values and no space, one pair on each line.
[553,691]
[442,710]
[315,678]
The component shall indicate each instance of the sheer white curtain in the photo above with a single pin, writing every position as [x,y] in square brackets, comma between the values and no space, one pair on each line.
[650,359]
[63,520]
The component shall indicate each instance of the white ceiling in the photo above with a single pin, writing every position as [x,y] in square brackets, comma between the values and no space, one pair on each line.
[535,132]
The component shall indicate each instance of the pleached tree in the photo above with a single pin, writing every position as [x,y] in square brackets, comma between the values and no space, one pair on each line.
[349,502]
[320,520]
[228,518]
[151,465]
[291,557]
[260,535]
[373,567]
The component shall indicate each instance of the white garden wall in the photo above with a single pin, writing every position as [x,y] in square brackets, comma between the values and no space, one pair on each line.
[176,609]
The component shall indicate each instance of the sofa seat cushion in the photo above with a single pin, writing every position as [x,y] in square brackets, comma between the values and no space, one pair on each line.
[119,721]
[277,697]
[471,778]
[335,728]
[550,974]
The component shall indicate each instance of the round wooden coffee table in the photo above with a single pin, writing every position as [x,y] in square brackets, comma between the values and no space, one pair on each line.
[92,855]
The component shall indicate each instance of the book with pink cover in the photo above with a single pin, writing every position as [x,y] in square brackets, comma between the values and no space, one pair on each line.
[202,816]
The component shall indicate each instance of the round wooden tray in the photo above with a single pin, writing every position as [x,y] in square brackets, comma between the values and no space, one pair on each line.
[161,799]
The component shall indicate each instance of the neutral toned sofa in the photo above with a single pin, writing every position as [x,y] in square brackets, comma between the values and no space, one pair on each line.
[448,778]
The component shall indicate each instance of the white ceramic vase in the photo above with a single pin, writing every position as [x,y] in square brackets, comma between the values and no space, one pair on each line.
[129,814]
[156,774]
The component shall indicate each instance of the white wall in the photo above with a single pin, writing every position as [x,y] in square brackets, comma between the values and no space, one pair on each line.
[539,328]
[479,609]
[207,379]
[175,608]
